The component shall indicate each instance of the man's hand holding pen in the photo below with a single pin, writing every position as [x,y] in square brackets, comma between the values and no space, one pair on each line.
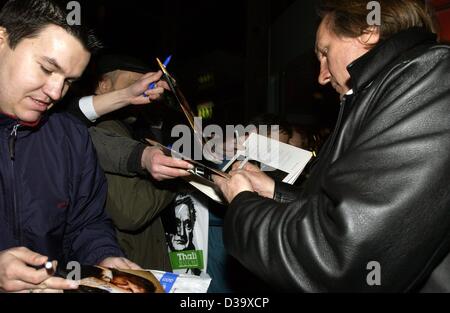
[24,271]
[166,63]
[139,93]
[149,88]
[246,178]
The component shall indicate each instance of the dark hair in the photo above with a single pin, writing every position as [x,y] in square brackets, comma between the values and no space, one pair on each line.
[169,218]
[349,18]
[26,18]
[186,199]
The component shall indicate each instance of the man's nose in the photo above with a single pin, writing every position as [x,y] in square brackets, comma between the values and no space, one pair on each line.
[182,231]
[324,75]
[54,88]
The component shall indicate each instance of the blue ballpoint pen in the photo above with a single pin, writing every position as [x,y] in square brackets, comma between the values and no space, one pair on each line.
[166,62]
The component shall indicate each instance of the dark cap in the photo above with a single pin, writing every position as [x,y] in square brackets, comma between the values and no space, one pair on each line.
[113,62]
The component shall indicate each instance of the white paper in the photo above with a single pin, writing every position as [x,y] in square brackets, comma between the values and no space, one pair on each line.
[284,160]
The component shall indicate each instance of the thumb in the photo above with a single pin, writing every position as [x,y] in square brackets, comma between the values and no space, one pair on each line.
[152,76]
[251,167]
[29,257]
[132,265]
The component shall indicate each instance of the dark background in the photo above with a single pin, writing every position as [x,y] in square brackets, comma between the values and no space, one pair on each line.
[220,49]
[245,56]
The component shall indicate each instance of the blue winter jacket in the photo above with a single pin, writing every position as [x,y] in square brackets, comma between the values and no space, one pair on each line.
[52,191]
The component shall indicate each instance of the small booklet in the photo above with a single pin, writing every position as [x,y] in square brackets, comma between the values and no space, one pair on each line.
[97,279]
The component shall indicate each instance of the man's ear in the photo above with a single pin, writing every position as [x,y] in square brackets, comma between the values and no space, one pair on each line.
[370,37]
[3,37]
[104,86]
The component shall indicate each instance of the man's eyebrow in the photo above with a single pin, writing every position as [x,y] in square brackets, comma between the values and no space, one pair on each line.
[53,62]
[317,51]
[321,51]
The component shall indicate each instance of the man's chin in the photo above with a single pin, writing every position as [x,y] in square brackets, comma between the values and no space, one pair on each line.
[180,246]
[30,117]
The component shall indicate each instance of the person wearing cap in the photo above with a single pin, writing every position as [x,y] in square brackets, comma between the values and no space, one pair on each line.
[120,154]
[134,202]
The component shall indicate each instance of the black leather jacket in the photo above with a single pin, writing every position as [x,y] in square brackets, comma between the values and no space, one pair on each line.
[378,192]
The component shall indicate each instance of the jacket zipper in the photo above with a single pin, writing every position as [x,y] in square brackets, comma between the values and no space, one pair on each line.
[12,153]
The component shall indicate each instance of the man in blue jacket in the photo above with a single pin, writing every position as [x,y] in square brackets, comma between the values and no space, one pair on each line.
[52,189]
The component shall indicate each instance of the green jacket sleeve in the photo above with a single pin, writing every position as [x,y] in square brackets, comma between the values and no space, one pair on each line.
[133,202]
[117,154]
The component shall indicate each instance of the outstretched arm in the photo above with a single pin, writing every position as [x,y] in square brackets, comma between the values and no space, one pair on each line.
[136,94]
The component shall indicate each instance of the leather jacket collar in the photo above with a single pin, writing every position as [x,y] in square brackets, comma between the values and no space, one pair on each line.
[364,69]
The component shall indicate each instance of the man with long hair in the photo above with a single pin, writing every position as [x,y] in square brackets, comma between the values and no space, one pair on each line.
[374,215]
